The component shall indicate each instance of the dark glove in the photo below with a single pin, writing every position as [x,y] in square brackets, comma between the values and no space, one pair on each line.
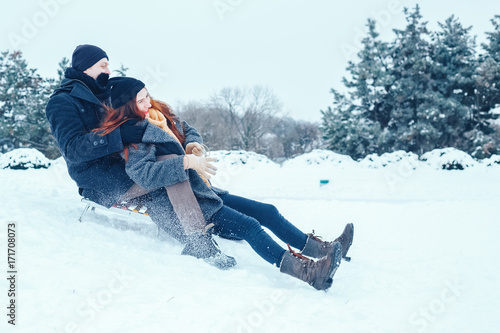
[131,133]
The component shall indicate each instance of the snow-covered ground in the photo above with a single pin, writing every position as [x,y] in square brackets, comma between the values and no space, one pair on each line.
[424,257]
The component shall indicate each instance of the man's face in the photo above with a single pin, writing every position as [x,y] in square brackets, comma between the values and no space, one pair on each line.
[99,67]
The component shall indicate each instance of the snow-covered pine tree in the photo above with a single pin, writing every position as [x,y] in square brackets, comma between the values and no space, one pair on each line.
[492,56]
[414,100]
[493,46]
[346,131]
[487,77]
[453,66]
[419,92]
[23,96]
[371,78]
[352,125]
[63,64]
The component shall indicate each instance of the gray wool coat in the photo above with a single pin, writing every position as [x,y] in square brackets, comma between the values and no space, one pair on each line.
[144,169]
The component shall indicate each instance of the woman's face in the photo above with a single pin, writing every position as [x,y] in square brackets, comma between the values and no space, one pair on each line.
[143,101]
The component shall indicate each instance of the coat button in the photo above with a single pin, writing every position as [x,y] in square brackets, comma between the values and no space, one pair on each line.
[82,110]
[95,143]
[101,141]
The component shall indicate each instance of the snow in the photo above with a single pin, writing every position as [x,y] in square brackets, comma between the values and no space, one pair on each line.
[492,160]
[321,157]
[449,159]
[24,158]
[423,259]
[496,110]
[240,157]
[375,161]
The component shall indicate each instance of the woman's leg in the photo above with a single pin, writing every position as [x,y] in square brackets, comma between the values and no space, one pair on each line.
[269,217]
[231,223]
[167,220]
[319,274]
[198,245]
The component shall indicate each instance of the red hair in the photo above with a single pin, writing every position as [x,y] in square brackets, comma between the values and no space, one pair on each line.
[116,117]
[166,110]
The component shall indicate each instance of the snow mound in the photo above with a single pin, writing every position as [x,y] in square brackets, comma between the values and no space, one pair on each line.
[448,159]
[492,160]
[373,161]
[24,158]
[240,157]
[321,157]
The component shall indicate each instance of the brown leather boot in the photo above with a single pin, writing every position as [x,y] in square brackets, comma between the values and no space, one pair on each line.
[317,248]
[346,240]
[318,274]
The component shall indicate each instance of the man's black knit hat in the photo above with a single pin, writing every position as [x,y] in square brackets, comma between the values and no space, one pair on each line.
[123,90]
[85,56]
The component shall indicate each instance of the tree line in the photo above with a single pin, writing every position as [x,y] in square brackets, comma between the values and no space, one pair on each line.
[421,91]
[232,119]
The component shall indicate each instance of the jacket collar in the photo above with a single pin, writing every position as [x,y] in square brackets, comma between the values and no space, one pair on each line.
[155,135]
[78,89]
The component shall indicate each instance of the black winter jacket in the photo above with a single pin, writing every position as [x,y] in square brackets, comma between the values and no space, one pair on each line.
[93,161]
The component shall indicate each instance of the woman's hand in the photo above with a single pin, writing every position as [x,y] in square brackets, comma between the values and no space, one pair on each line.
[195,148]
[201,165]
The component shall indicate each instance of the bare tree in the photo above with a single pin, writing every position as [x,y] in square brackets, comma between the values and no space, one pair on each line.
[250,119]
[212,123]
[296,137]
[249,112]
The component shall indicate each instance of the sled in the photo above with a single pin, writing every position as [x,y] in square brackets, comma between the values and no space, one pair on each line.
[122,208]
[123,215]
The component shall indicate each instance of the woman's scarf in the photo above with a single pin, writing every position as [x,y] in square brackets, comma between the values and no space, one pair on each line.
[157,118]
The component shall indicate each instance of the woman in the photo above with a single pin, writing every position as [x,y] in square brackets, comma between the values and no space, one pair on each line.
[171,153]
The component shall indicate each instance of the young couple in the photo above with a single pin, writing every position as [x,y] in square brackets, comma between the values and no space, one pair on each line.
[120,144]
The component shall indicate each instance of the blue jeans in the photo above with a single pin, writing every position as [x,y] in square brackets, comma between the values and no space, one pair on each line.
[244,218]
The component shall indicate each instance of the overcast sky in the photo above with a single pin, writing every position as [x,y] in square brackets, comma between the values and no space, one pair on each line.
[188,49]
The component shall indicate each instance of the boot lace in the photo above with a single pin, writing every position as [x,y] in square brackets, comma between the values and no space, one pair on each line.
[297,254]
[318,238]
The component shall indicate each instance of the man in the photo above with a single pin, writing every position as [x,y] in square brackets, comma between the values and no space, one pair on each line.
[73,111]
[93,160]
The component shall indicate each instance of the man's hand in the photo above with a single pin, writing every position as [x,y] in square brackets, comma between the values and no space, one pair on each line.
[195,148]
[131,133]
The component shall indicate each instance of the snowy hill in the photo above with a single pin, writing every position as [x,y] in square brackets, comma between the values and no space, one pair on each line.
[424,252]
[24,158]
